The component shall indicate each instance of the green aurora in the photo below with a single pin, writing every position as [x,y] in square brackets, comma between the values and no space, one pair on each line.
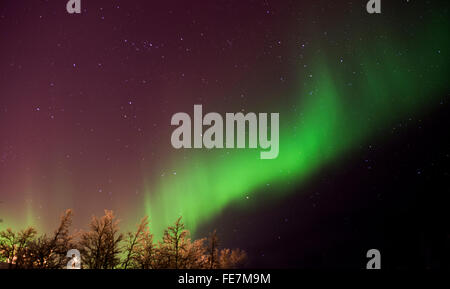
[336,112]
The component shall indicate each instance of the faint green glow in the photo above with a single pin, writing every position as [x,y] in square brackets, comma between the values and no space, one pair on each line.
[332,117]
[12,219]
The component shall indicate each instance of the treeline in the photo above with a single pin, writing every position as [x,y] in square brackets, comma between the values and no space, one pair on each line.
[103,246]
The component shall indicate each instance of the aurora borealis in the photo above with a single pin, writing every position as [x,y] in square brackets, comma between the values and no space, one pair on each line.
[86,100]
[326,125]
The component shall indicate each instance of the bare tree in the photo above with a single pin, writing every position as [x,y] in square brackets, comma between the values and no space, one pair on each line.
[47,252]
[195,255]
[145,256]
[100,246]
[174,243]
[14,246]
[139,248]
[213,250]
[232,259]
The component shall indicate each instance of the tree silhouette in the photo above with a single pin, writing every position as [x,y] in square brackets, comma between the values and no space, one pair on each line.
[13,246]
[194,257]
[1,220]
[104,247]
[213,251]
[173,244]
[139,248]
[50,252]
[232,259]
[99,246]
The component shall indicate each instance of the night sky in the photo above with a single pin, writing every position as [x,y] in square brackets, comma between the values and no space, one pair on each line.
[86,102]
